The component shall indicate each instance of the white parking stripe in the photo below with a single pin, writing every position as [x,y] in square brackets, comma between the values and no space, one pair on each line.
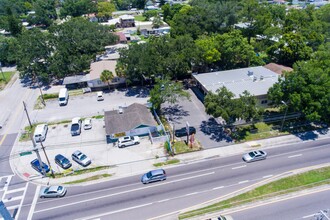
[297,155]
[234,168]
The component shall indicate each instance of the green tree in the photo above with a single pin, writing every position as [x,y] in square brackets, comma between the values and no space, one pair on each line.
[306,89]
[105,9]
[149,14]
[107,77]
[8,47]
[76,8]
[45,13]
[14,24]
[157,22]
[166,91]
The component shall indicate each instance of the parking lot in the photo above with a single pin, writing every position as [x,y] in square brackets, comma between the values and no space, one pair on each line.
[208,131]
[90,142]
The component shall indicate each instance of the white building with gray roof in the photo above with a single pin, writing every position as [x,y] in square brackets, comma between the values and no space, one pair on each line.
[255,80]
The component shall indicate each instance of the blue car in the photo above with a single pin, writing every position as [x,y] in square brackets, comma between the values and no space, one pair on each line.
[36,165]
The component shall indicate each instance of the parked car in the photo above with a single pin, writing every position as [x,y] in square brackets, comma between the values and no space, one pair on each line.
[88,123]
[76,126]
[40,132]
[52,192]
[153,176]
[128,141]
[62,161]
[36,165]
[99,96]
[254,156]
[81,158]
[183,131]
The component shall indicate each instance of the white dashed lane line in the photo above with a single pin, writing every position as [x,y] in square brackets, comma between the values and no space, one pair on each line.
[234,168]
[264,177]
[297,155]
[245,181]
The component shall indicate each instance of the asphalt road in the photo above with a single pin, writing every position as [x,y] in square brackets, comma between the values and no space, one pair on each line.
[187,185]
[300,207]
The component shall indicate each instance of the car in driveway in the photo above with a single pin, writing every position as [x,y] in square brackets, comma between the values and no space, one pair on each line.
[153,176]
[76,126]
[81,158]
[36,165]
[62,161]
[52,192]
[128,141]
[88,123]
[254,156]
[183,131]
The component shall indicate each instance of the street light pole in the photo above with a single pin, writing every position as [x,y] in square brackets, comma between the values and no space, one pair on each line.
[50,167]
[286,110]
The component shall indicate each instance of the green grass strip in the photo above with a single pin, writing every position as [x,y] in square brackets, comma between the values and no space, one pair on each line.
[96,177]
[174,161]
[283,186]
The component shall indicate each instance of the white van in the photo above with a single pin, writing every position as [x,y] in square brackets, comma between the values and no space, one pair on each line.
[100,96]
[63,96]
[40,132]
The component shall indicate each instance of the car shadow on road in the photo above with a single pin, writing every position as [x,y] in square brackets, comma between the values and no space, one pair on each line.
[174,113]
[308,135]
[215,131]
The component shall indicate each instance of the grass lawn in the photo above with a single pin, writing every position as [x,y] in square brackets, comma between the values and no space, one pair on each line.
[283,186]
[139,18]
[180,147]
[174,161]
[3,81]
[96,177]
[70,172]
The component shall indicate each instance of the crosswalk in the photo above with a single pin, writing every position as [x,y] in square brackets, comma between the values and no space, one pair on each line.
[12,195]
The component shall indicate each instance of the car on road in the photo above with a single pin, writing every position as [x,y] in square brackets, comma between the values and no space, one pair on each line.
[183,131]
[221,217]
[62,161]
[76,126]
[88,123]
[254,156]
[128,141]
[81,158]
[53,192]
[153,176]
[36,165]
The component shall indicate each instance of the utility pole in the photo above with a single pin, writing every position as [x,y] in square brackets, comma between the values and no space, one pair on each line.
[35,149]
[27,114]
[3,75]
[50,167]
[286,110]
[4,213]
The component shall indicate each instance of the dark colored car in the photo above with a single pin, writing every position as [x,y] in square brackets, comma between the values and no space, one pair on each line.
[62,161]
[153,176]
[36,165]
[183,131]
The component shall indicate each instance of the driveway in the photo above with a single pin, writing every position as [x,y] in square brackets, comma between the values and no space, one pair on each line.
[209,132]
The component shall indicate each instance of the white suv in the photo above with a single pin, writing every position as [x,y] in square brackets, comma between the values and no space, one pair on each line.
[128,141]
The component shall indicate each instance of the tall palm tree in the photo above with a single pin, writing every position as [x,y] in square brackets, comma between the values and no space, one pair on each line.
[107,76]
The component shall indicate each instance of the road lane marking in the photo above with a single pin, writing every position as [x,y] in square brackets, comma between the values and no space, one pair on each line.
[264,177]
[245,181]
[10,199]
[34,202]
[164,200]
[234,168]
[220,187]
[297,155]
[309,216]
[114,212]
[190,194]
[15,190]
[118,193]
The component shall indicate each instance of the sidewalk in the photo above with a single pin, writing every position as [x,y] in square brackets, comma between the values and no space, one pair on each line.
[137,165]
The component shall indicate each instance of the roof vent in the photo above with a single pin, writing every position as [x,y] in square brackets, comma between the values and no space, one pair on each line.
[250,73]
[255,78]
[261,77]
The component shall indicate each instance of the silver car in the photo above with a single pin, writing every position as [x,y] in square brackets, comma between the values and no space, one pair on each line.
[153,176]
[52,192]
[81,158]
[254,156]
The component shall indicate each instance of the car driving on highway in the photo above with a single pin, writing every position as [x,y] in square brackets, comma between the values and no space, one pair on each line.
[52,192]
[254,156]
[153,176]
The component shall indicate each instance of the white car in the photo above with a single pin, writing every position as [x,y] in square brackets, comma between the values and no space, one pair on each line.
[100,96]
[81,158]
[254,156]
[88,123]
[128,141]
[52,192]
[76,126]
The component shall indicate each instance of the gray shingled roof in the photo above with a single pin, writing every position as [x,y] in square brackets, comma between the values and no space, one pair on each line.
[76,79]
[256,80]
[132,117]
